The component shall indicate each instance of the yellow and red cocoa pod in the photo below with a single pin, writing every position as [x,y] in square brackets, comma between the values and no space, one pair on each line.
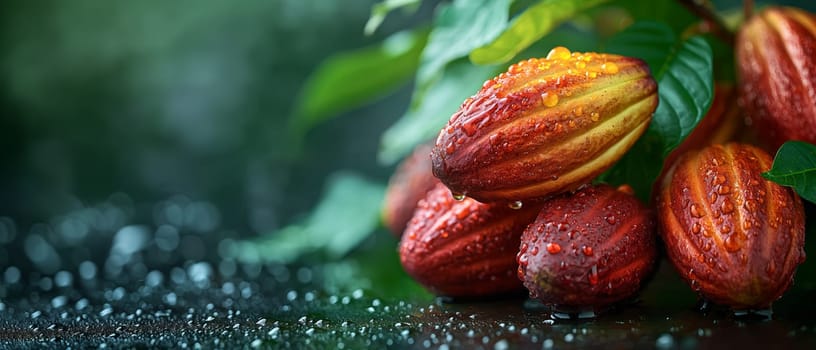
[545,126]
[464,248]
[735,237]
[776,58]
[588,250]
[409,184]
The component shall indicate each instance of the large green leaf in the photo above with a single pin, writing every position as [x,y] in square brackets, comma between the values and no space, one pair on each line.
[683,70]
[795,166]
[347,214]
[349,79]
[458,29]
[527,28]
[431,110]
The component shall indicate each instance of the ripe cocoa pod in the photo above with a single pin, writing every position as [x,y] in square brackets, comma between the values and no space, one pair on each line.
[464,248]
[409,184]
[588,250]
[545,126]
[735,237]
[776,60]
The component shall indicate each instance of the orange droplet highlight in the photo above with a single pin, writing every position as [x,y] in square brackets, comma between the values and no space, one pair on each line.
[595,116]
[553,248]
[609,68]
[587,250]
[550,99]
[559,53]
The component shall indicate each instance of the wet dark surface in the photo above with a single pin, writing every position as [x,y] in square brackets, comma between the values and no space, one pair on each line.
[126,285]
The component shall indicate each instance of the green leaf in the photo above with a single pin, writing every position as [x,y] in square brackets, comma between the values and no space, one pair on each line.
[795,166]
[430,111]
[349,79]
[683,70]
[458,29]
[348,213]
[527,28]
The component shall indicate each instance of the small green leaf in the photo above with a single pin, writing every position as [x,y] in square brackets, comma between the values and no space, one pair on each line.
[795,166]
[429,111]
[527,28]
[683,70]
[381,9]
[348,213]
[349,79]
[458,29]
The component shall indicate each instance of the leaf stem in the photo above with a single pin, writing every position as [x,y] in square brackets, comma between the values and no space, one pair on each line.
[717,26]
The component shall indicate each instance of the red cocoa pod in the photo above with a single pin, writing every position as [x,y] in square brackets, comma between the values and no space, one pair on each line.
[735,237]
[776,60]
[588,250]
[464,248]
[545,126]
[409,184]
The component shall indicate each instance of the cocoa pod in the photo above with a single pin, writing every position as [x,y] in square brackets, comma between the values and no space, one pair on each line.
[545,126]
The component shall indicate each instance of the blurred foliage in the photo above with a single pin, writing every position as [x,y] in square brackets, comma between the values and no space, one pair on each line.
[336,85]
[348,212]
[531,25]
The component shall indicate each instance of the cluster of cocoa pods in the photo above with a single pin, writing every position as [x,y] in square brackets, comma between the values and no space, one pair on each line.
[504,199]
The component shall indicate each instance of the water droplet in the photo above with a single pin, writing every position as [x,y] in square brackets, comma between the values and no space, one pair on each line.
[580,64]
[578,111]
[696,212]
[719,179]
[706,246]
[553,248]
[724,189]
[771,268]
[534,251]
[587,250]
[595,116]
[549,99]
[611,219]
[593,275]
[559,53]
[516,205]
[458,195]
[695,228]
[609,68]
[450,148]
[732,244]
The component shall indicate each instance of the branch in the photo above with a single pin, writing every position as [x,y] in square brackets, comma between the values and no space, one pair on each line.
[714,22]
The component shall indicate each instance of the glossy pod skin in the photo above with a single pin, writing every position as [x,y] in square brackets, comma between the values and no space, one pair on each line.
[546,126]
[588,250]
[776,60]
[735,237]
[463,248]
[409,184]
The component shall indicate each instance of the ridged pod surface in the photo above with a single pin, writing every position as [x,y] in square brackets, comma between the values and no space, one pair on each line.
[409,184]
[735,237]
[464,248]
[545,126]
[776,58]
[589,249]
